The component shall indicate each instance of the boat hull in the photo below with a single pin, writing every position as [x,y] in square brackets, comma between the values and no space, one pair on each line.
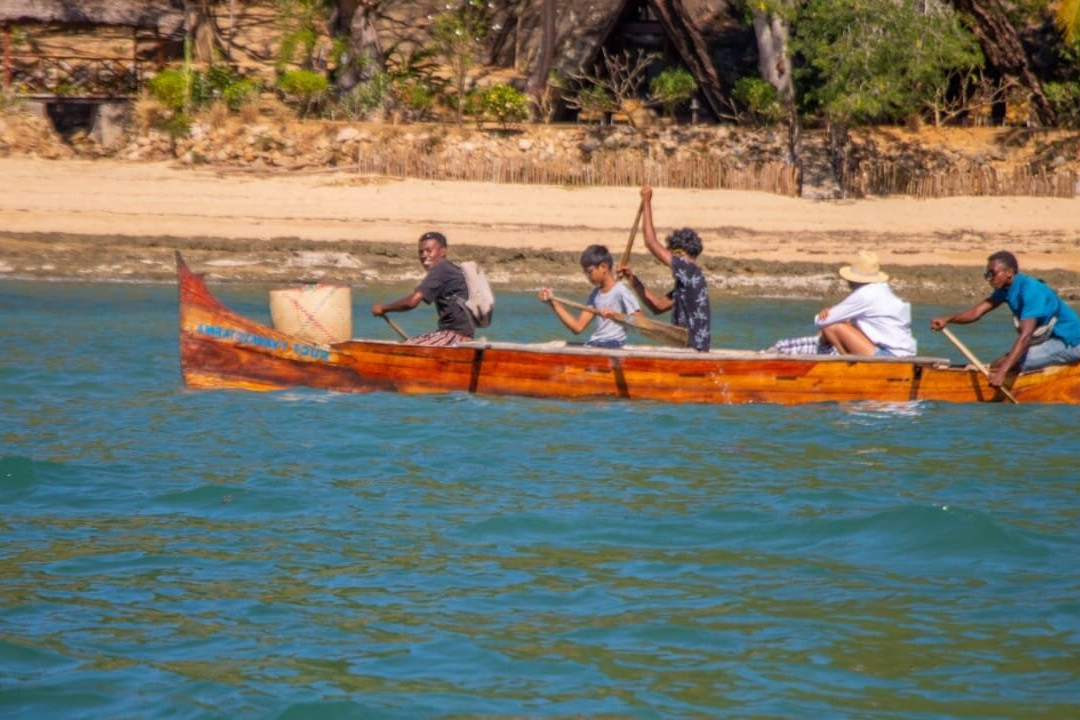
[220,349]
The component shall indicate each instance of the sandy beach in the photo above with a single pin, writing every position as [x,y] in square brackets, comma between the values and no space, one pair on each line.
[112,220]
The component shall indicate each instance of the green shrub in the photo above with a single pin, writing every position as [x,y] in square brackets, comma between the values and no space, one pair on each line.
[219,77]
[414,96]
[240,92]
[505,103]
[200,91]
[222,81]
[475,105]
[368,96]
[593,100]
[303,83]
[673,87]
[170,87]
[759,98]
[178,89]
[1065,99]
[307,87]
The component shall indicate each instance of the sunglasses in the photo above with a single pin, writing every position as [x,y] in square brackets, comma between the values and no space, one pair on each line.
[991,274]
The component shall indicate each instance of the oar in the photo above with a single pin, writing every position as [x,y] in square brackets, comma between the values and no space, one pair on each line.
[975,361]
[661,331]
[625,260]
[397,328]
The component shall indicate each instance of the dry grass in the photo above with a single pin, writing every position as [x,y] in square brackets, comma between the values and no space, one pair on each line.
[217,115]
[149,113]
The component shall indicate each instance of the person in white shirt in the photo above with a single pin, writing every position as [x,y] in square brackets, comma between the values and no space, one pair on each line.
[872,320]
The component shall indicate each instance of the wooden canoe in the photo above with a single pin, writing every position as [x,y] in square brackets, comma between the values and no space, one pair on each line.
[220,349]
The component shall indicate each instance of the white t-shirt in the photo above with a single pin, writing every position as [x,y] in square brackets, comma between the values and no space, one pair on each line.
[884,318]
[618,298]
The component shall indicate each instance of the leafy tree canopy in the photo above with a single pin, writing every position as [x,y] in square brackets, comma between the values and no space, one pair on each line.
[880,60]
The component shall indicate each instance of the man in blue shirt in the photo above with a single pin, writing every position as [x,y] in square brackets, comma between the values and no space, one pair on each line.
[1049,330]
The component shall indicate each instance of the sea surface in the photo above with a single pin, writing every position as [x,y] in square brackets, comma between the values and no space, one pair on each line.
[295,555]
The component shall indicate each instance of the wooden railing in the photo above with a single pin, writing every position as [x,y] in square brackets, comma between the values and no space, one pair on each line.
[39,76]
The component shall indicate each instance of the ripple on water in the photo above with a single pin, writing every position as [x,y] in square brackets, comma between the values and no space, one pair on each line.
[306,554]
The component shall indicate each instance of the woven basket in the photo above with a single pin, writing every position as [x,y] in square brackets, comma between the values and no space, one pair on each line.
[320,313]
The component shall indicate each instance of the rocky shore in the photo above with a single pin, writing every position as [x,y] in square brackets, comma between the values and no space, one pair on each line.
[278,201]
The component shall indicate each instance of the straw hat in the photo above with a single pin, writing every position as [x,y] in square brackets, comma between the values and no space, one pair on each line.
[865,269]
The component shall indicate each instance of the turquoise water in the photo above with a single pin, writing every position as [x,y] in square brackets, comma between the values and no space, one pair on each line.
[302,554]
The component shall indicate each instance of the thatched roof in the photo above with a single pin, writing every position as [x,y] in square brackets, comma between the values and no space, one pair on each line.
[584,26]
[159,16]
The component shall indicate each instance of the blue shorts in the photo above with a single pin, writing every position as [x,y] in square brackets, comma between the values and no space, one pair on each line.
[610,344]
[883,352]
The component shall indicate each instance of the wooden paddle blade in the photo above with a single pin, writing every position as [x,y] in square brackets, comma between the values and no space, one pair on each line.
[662,332]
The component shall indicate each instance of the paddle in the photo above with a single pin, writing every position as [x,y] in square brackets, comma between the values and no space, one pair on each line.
[975,361]
[660,331]
[625,260]
[397,328]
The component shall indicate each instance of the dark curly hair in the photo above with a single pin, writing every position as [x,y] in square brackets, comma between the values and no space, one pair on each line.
[686,240]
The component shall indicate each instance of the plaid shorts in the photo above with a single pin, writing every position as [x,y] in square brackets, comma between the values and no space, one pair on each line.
[808,345]
[438,338]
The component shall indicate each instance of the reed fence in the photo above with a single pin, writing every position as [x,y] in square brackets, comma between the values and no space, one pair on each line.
[882,178]
[702,172]
[614,170]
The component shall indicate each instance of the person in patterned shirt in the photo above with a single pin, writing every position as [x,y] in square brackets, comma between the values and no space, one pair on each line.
[689,299]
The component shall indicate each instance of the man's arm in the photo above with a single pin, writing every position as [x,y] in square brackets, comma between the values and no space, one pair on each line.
[574,324]
[404,304]
[964,317]
[656,303]
[1001,367]
[850,308]
[648,230]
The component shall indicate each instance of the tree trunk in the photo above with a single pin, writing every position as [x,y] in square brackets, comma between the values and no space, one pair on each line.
[538,79]
[774,64]
[771,33]
[364,57]
[201,31]
[1004,52]
[840,154]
